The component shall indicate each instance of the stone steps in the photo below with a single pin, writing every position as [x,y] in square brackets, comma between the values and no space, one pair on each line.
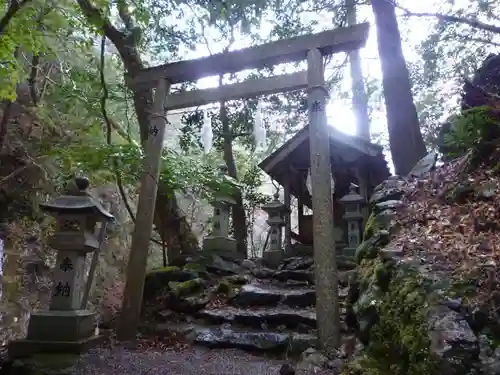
[303,320]
[275,316]
[271,295]
[306,277]
[294,343]
[240,338]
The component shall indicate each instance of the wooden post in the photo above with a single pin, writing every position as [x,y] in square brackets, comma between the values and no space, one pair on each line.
[288,221]
[137,262]
[327,309]
[300,209]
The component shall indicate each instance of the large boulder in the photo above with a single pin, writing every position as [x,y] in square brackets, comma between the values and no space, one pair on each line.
[484,87]
[158,279]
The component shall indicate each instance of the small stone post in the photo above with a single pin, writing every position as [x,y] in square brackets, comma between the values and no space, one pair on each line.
[274,254]
[353,215]
[65,326]
[220,241]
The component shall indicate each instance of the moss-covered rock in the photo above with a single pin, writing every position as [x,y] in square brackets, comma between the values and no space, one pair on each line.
[369,248]
[405,325]
[158,279]
[238,279]
[185,288]
[392,316]
[199,269]
[384,193]
[371,226]
[224,287]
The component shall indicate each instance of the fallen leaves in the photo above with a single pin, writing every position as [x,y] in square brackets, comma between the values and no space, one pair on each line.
[459,238]
[171,341]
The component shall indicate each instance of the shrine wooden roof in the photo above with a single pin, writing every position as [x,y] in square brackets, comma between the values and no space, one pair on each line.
[291,161]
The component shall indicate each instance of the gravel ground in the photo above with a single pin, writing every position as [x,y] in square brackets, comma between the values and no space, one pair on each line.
[189,361]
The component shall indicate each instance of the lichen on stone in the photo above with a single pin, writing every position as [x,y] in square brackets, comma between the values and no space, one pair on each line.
[369,248]
[224,287]
[371,226]
[398,340]
[197,268]
[186,287]
[166,269]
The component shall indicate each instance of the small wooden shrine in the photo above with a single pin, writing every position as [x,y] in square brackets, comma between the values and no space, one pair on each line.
[354,160]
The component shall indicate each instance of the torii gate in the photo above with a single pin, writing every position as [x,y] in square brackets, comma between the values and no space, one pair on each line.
[311,47]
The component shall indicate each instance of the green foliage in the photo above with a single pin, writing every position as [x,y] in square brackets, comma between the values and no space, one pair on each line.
[448,53]
[101,161]
[470,130]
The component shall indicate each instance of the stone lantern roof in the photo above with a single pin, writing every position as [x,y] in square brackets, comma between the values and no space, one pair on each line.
[79,202]
[274,206]
[352,197]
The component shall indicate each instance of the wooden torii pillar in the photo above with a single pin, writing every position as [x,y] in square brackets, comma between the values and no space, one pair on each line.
[311,47]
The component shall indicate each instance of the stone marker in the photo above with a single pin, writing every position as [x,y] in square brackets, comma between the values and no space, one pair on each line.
[65,326]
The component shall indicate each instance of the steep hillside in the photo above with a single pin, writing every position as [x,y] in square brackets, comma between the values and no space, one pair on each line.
[426,300]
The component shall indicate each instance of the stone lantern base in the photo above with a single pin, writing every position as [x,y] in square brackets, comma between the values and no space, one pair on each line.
[273,258]
[57,332]
[221,245]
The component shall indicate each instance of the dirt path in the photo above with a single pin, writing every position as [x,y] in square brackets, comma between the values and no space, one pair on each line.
[189,361]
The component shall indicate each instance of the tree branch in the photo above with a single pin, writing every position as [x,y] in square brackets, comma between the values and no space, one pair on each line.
[104,98]
[14,7]
[109,125]
[448,18]
[35,61]
[129,54]
[32,79]
[466,38]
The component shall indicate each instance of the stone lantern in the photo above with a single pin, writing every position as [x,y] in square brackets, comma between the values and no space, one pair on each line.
[274,254]
[65,326]
[220,241]
[353,205]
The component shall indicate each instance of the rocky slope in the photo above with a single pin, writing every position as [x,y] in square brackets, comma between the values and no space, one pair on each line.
[426,296]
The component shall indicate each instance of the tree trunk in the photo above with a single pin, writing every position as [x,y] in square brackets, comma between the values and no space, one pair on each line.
[405,139]
[178,237]
[359,97]
[238,214]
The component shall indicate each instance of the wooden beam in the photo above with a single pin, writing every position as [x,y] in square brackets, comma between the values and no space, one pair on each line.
[273,53]
[246,89]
